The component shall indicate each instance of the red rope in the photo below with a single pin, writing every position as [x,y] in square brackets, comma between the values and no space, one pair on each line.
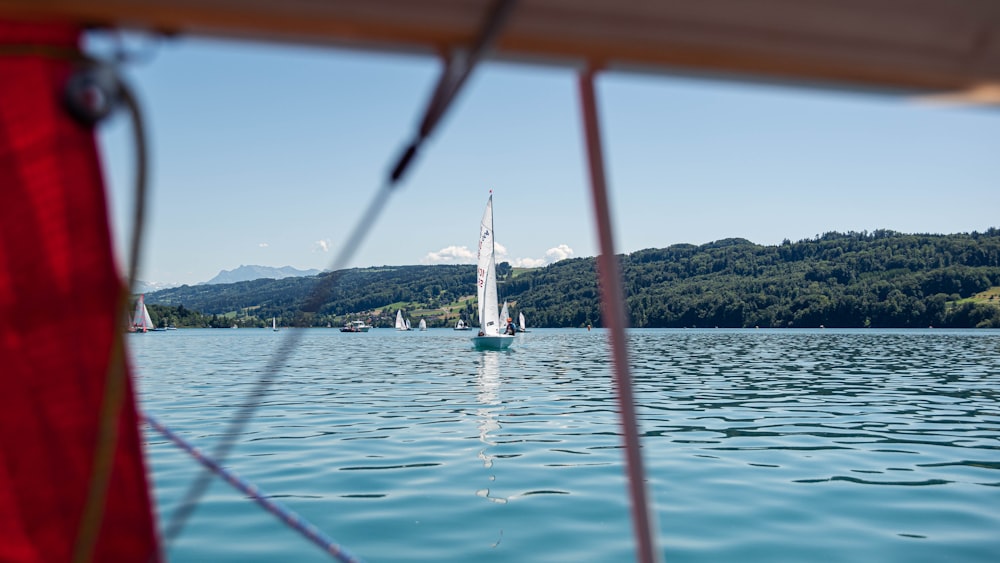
[614,318]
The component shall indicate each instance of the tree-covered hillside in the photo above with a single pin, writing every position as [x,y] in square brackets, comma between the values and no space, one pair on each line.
[363,293]
[877,279]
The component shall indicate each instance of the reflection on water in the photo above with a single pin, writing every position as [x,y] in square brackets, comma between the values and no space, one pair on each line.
[760,445]
[488,396]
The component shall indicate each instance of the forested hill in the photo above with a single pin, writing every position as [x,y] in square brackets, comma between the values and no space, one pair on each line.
[358,293]
[877,279]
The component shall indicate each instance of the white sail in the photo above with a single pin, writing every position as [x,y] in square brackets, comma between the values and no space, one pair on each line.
[486,276]
[504,315]
[136,322]
[408,324]
[520,322]
[140,319]
[484,260]
[400,323]
[274,323]
[490,336]
[423,324]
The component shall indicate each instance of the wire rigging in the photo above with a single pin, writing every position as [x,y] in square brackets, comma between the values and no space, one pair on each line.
[453,76]
[94,91]
[288,516]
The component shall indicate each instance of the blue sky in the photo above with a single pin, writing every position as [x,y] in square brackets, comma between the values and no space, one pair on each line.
[266,154]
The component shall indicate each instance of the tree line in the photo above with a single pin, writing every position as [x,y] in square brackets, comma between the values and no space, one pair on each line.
[856,279]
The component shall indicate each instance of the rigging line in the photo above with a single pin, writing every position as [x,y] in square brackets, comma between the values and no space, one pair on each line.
[613,307]
[261,386]
[452,79]
[116,376]
[108,89]
[141,184]
[444,94]
[285,514]
[92,516]
[448,86]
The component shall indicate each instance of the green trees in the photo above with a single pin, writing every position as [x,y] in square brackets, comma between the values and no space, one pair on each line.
[877,279]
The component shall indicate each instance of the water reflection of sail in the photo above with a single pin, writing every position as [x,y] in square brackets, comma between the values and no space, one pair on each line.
[488,396]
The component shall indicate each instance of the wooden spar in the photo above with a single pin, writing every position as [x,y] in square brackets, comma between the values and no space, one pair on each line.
[913,46]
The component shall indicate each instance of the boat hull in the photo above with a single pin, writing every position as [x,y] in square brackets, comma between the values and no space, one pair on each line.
[501,342]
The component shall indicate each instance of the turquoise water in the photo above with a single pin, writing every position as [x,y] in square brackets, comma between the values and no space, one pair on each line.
[760,445]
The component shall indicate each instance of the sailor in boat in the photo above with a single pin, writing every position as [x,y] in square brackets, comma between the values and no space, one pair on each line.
[511,329]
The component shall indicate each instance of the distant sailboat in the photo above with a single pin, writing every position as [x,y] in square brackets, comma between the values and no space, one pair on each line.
[521,327]
[489,337]
[422,325]
[140,319]
[462,326]
[274,324]
[401,324]
[504,315]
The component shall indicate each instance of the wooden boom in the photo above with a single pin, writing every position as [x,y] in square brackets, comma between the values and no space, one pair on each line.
[914,46]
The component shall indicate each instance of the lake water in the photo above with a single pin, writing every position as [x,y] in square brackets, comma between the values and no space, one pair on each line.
[759,445]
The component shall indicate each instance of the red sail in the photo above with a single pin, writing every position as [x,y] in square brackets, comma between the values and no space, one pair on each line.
[60,336]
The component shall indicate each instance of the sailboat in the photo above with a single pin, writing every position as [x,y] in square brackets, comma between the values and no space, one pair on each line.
[422,325]
[401,324]
[490,337]
[462,326]
[274,324]
[504,315]
[140,319]
[521,327]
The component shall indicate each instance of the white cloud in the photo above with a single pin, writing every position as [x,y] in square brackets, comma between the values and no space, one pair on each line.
[450,255]
[527,262]
[500,252]
[263,245]
[462,255]
[321,245]
[558,253]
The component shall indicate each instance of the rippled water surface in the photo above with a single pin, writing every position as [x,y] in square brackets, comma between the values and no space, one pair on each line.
[759,445]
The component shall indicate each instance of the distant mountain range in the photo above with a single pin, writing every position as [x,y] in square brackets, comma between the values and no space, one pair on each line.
[241,274]
[250,273]
[150,287]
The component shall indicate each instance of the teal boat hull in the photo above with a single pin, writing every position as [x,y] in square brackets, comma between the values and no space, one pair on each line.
[501,342]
